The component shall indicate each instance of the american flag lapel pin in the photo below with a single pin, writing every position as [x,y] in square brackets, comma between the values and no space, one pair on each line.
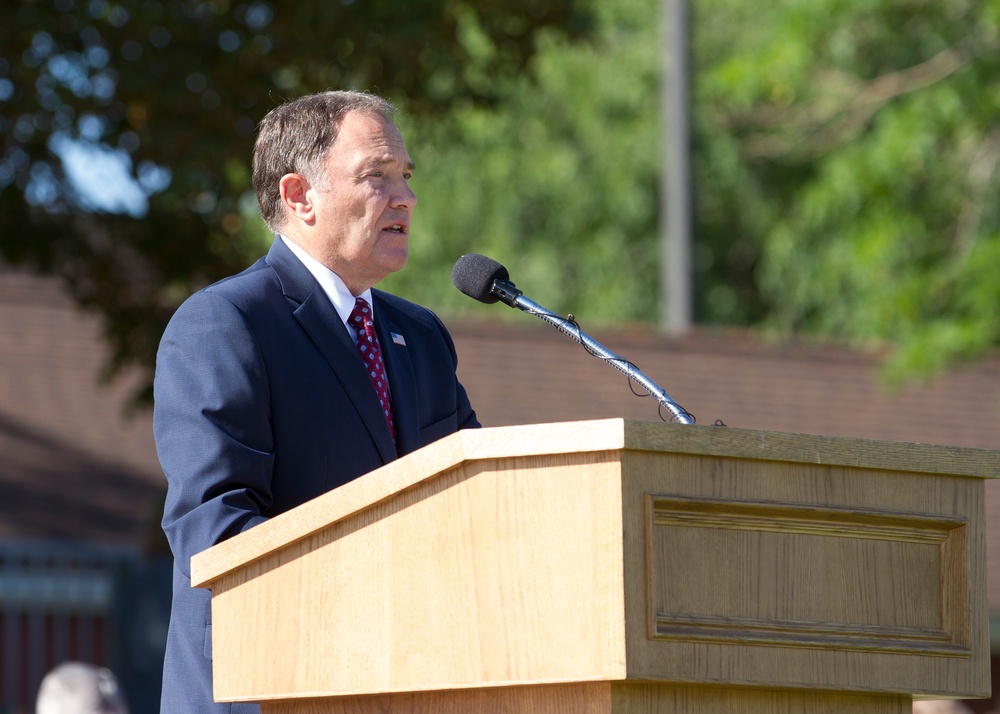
[398,338]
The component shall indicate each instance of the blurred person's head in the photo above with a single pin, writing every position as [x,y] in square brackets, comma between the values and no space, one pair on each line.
[940,706]
[78,688]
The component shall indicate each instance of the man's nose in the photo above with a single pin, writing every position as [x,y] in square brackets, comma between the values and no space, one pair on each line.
[403,196]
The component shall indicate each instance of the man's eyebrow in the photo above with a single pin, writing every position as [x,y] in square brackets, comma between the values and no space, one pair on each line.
[410,166]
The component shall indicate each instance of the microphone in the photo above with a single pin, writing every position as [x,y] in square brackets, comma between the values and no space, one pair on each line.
[487,281]
[484,279]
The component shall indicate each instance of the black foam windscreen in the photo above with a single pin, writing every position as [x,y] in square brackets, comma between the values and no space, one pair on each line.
[475,274]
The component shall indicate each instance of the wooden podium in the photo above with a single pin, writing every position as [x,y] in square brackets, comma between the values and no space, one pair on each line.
[616,566]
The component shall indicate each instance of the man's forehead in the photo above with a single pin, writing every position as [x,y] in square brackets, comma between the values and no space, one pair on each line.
[371,137]
[381,155]
[367,124]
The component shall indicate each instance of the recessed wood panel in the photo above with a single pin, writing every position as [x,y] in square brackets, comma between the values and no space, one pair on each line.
[745,572]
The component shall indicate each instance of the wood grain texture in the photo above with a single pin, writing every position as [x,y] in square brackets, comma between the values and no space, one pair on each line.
[583,437]
[694,562]
[812,449]
[807,576]
[394,478]
[817,575]
[497,572]
[597,698]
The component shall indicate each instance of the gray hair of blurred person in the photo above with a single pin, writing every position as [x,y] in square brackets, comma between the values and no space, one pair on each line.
[295,137]
[78,688]
[940,706]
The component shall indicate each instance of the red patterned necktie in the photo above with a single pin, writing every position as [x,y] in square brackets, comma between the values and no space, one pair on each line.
[371,355]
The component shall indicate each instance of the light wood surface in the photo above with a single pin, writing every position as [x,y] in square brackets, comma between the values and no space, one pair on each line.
[584,437]
[392,479]
[633,566]
[802,575]
[455,583]
[598,698]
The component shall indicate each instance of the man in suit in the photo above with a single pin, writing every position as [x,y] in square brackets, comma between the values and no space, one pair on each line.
[266,393]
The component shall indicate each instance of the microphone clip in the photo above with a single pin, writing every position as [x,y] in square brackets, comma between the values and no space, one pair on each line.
[506,292]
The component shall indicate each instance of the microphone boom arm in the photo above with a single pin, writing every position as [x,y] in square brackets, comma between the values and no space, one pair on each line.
[506,292]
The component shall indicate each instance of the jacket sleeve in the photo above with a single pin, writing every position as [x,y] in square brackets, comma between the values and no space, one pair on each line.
[211,423]
[465,414]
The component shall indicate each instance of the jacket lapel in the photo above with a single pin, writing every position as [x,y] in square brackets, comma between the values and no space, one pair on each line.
[402,382]
[317,316]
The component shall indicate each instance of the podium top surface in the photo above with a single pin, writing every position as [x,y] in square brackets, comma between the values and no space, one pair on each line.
[583,437]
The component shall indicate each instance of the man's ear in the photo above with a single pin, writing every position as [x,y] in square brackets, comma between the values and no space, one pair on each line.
[297,196]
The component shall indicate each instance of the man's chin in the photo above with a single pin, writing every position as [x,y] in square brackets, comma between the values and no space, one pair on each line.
[394,262]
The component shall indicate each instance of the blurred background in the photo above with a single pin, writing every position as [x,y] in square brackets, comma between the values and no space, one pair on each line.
[785,212]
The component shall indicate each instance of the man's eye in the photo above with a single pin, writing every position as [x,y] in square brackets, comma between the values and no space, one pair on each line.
[376,174]
[407,175]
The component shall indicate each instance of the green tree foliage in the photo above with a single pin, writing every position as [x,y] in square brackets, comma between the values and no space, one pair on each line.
[845,156]
[865,140]
[557,180]
[172,90]
[845,152]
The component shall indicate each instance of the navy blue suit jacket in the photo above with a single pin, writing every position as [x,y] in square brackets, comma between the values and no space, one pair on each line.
[262,403]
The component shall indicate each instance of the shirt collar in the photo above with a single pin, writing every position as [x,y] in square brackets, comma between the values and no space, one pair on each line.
[342,299]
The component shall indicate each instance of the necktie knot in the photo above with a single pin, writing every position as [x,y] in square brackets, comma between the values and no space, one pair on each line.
[371,355]
[361,321]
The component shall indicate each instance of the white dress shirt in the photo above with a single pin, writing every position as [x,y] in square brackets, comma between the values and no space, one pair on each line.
[342,299]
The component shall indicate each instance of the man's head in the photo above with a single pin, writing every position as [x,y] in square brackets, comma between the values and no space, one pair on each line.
[332,173]
[294,138]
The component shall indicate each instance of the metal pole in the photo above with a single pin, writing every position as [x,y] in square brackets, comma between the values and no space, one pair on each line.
[675,199]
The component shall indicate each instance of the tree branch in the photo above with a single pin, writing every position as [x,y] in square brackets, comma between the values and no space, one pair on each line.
[815,126]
